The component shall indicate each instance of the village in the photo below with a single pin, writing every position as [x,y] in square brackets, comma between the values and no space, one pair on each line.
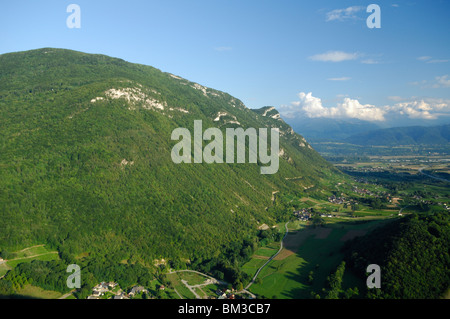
[111,290]
[307,214]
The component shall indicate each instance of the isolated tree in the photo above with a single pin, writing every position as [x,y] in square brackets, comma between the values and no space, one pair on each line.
[310,277]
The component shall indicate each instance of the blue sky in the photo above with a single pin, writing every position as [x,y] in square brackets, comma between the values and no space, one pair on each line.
[307,58]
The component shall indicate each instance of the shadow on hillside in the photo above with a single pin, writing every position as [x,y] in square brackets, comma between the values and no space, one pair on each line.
[15,296]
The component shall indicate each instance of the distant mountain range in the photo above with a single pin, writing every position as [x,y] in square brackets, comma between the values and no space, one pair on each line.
[412,135]
[367,133]
[326,129]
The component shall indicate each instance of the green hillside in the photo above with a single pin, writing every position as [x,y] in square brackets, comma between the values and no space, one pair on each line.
[412,253]
[85,165]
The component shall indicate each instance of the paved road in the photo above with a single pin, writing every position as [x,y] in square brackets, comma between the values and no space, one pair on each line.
[66,295]
[191,288]
[270,259]
[200,273]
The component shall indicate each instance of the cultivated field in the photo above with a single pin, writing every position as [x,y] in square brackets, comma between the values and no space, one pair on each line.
[306,250]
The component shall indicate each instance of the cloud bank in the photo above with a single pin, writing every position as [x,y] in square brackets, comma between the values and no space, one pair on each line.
[334,56]
[414,108]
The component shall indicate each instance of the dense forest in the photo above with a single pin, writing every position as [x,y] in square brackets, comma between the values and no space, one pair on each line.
[85,164]
[413,253]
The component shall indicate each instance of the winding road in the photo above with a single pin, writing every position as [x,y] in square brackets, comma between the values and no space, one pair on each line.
[270,259]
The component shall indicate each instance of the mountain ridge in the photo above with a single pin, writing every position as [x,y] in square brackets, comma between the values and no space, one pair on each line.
[410,135]
[85,156]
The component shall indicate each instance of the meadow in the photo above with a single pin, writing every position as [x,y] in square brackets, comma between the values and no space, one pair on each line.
[39,252]
[307,250]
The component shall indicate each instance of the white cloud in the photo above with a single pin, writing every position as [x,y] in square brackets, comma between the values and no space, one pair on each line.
[437,61]
[413,108]
[312,105]
[349,108]
[344,78]
[344,14]
[442,81]
[418,109]
[353,109]
[429,59]
[334,56]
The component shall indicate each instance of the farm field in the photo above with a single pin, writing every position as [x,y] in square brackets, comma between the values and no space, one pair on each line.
[306,250]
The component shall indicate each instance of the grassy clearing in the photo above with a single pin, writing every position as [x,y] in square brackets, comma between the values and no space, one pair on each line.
[288,278]
[27,255]
[31,251]
[265,251]
[273,245]
[252,266]
[175,280]
[192,280]
[46,257]
[30,291]
[4,268]
[39,252]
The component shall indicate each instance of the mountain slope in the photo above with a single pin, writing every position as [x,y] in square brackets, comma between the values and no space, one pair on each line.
[85,146]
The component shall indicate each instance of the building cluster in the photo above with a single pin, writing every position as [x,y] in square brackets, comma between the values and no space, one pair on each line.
[365,169]
[337,200]
[303,214]
[307,214]
[110,287]
[101,289]
[363,191]
[225,294]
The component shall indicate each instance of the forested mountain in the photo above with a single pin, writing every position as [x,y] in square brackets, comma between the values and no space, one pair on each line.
[85,161]
[412,253]
[411,135]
